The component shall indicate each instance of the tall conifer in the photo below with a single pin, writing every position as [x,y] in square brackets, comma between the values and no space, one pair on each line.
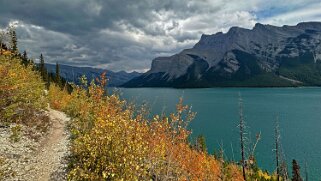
[42,65]
[25,58]
[14,41]
[58,80]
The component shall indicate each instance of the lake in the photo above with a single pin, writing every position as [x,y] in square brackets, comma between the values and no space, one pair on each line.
[298,111]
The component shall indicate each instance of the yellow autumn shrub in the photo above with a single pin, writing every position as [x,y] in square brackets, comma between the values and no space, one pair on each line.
[21,90]
[58,98]
[111,140]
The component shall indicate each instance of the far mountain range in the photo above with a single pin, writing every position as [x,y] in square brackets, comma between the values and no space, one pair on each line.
[72,74]
[265,56]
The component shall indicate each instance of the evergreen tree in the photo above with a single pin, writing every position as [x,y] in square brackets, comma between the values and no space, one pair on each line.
[14,41]
[43,70]
[58,80]
[42,67]
[25,58]
[296,171]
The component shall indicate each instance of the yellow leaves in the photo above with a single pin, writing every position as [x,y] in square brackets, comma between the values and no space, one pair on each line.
[59,99]
[6,53]
[12,74]
[19,85]
[112,141]
[264,175]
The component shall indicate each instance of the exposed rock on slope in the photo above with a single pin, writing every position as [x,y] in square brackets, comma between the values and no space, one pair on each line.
[243,57]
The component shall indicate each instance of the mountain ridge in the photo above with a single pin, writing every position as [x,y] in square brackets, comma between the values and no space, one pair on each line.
[73,73]
[241,57]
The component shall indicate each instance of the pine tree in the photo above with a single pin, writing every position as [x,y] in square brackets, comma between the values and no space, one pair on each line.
[42,66]
[42,69]
[296,171]
[25,58]
[14,41]
[58,80]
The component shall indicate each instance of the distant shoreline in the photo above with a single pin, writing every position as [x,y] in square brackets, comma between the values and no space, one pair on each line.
[152,87]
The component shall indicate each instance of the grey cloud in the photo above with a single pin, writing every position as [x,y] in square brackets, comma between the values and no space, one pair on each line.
[123,34]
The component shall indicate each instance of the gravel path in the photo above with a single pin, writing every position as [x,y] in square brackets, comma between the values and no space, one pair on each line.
[38,161]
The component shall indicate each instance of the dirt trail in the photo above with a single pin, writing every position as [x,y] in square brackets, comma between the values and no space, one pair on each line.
[37,160]
[49,158]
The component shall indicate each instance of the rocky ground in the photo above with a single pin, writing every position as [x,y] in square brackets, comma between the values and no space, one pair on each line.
[30,159]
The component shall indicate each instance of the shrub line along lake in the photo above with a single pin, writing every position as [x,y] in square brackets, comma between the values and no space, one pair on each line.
[298,111]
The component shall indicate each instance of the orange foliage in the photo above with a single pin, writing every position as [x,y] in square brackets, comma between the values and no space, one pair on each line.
[113,141]
[59,99]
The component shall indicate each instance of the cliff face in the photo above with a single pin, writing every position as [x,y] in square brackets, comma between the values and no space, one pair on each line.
[263,56]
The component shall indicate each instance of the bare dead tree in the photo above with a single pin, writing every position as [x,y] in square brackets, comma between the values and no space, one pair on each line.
[306,171]
[283,168]
[242,132]
[233,158]
[277,143]
[2,39]
[257,139]
[221,152]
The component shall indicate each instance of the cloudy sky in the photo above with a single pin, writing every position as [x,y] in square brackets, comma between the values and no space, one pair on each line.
[128,34]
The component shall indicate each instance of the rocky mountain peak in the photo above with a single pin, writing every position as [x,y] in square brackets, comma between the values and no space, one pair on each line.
[238,55]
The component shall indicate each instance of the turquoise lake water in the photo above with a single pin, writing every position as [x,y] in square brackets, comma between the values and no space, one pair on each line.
[298,110]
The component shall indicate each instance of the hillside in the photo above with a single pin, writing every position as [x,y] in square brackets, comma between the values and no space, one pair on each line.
[263,56]
[33,140]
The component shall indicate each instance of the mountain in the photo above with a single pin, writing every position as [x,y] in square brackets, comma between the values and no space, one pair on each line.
[263,56]
[72,74]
